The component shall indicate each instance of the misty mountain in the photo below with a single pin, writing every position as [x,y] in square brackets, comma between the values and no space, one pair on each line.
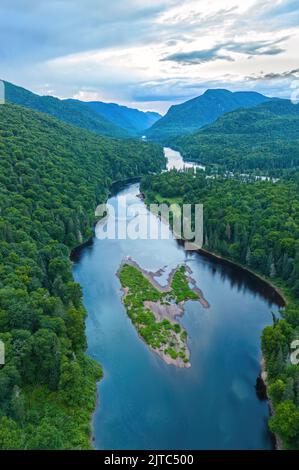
[73,112]
[133,120]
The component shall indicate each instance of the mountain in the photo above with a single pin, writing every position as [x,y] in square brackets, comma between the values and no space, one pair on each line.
[188,117]
[73,112]
[133,120]
[265,137]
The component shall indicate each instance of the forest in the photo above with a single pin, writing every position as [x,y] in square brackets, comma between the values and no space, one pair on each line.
[265,137]
[52,176]
[255,224]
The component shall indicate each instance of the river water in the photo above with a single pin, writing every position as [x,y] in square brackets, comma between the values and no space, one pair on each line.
[145,403]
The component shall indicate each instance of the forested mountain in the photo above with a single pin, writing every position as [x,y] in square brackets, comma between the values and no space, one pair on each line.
[256,224]
[264,137]
[52,176]
[188,117]
[133,120]
[72,112]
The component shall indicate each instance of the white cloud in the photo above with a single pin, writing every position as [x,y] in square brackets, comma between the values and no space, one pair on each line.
[116,51]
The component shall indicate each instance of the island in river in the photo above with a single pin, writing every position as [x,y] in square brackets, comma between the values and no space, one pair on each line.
[154,308]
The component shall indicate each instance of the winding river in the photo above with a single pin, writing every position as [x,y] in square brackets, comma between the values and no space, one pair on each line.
[143,402]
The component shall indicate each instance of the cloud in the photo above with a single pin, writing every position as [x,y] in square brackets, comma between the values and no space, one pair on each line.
[41,30]
[144,51]
[263,47]
[284,12]
[198,57]
[289,74]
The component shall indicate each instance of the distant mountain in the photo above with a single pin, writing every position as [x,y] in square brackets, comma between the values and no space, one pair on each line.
[263,137]
[133,120]
[73,112]
[190,116]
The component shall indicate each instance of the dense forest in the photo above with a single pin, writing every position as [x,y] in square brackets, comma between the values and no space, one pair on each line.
[265,138]
[52,176]
[255,223]
[133,120]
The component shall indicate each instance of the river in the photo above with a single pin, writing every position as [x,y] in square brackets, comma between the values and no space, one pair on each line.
[143,402]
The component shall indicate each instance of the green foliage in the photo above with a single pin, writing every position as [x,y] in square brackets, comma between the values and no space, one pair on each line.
[285,423]
[180,286]
[160,335]
[52,176]
[264,138]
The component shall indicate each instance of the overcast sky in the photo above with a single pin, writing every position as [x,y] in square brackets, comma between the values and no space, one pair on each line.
[149,53]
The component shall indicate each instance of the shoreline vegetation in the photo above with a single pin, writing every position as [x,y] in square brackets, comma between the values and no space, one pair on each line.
[281,295]
[154,308]
[278,257]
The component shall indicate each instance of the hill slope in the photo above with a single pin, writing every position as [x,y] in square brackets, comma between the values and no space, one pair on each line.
[133,120]
[188,117]
[265,137]
[52,176]
[72,112]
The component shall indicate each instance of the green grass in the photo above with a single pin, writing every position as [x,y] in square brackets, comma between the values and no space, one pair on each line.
[180,287]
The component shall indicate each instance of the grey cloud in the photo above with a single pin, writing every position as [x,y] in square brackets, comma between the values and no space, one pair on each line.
[290,74]
[178,90]
[206,55]
[257,47]
[197,57]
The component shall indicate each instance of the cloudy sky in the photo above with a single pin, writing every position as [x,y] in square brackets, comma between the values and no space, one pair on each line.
[149,53]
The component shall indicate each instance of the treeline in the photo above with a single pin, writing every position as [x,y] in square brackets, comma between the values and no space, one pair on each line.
[255,224]
[265,138]
[52,176]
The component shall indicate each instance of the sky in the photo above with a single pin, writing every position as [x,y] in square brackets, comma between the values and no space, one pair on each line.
[149,54]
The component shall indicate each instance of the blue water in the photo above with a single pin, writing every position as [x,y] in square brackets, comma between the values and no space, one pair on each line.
[147,404]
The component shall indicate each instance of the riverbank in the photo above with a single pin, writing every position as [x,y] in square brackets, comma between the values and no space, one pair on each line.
[263,376]
[281,297]
[284,301]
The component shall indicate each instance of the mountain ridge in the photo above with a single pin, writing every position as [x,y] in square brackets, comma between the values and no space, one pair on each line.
[114,121]
[76,114]
[131,119]
[188,117]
